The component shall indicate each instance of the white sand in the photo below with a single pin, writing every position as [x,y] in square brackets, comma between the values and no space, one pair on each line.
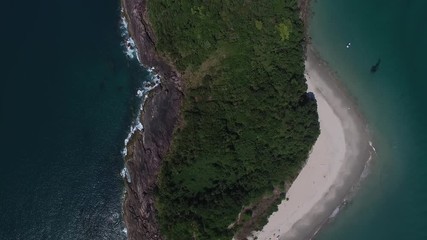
[331,169]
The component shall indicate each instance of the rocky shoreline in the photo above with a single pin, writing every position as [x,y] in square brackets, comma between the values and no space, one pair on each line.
[147,148]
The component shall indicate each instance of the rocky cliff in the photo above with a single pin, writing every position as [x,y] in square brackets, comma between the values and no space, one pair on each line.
[148,147]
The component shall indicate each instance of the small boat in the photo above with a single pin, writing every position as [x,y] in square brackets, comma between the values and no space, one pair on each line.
[376,66]
[348,45]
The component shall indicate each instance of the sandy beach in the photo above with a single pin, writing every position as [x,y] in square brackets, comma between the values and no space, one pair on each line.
[335,163]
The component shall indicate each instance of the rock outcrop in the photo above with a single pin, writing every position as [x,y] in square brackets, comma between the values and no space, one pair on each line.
[160,115]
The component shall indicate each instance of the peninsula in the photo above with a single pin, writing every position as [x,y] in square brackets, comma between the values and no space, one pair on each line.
[229,127]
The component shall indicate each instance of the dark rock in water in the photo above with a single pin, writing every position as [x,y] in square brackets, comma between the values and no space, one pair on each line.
[375,67]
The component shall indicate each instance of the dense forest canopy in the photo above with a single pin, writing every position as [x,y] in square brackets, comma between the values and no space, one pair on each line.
[247,122]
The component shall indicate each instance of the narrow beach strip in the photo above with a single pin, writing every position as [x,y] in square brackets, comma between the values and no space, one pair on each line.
[334,165]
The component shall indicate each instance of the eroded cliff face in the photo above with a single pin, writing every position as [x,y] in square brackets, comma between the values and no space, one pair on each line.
[148,147]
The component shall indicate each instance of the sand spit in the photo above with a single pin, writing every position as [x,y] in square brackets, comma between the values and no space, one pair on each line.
[335,163]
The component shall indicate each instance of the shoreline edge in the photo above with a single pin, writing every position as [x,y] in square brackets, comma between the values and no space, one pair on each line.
[336,162]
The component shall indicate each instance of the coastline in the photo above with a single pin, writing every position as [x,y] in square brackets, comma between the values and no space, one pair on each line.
[317,192]
[151,138]
[335,164]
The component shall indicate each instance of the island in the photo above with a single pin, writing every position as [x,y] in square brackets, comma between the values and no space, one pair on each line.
[231,124]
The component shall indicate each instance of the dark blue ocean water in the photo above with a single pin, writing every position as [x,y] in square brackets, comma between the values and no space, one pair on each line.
[392,201]
[67,100]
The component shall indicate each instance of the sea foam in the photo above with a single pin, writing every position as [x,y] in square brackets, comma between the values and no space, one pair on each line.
[372,146]
[335,212]
[154,80]
[125,174]
[129,44]
[143,94]
[366,168]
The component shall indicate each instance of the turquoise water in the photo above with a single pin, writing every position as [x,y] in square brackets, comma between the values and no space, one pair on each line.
[391,203]
[68,97]
[67,100]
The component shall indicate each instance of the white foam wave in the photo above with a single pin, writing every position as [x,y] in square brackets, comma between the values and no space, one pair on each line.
[136,126]
[147,86]
[125,174]
[372,146]
[335,212]
[129,44]
[365,171]
[366,168]
[132,52]
[139,93]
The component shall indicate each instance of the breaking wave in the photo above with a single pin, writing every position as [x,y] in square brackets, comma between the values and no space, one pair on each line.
[128,43]
[142,93]
[131,52]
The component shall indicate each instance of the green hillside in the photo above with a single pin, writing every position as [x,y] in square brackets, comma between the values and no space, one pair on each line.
[247,122]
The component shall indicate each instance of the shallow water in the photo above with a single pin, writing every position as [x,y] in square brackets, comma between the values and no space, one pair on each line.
[68,97]
[391,201]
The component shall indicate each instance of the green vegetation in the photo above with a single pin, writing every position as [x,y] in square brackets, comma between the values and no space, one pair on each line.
[285,30]
[247,122]
[258,24]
